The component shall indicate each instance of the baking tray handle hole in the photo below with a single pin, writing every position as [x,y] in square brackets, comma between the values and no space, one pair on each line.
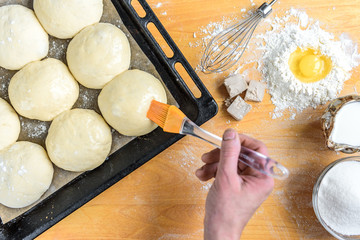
[160,40]
[187,79]
[138,8]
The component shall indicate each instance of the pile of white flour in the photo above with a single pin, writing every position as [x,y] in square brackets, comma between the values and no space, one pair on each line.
[286,91]
[270,52]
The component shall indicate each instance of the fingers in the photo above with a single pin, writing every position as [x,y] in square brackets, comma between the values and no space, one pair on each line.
[231,165]
[253,144]
[211,157]
[207,171]
[246,141]
[242,167]
[229,154]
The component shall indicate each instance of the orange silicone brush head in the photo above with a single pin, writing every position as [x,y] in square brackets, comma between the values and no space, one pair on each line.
[168,117]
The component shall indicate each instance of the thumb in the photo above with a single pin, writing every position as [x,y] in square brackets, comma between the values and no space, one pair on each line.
[229,153]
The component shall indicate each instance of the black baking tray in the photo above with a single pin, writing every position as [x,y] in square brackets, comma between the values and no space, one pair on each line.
[134,154]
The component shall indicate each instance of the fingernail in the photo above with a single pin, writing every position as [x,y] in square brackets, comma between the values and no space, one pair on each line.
[229,135]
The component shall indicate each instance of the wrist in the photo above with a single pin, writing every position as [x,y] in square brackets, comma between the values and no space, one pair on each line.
[222,230]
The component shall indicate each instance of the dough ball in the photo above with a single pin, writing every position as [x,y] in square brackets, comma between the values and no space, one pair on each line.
[22,39]
[25,174]
[65,18]
[97,54]
[78,140]
[125,101]
[9,125]
[43,89]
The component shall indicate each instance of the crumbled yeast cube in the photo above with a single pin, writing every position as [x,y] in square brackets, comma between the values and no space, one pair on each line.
[235,85]
[227,102]
[239,108]
[255,91]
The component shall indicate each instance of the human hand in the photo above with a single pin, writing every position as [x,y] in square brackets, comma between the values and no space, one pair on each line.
[237,191]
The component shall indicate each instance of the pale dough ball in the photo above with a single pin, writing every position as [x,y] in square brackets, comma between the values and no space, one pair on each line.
[43,89]
[97,54]
[9,125]
[78,140]
[125,101]
[22,39]
[25,174]
[65,18]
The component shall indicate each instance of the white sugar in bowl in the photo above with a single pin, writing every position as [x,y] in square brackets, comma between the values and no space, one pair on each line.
[336,198]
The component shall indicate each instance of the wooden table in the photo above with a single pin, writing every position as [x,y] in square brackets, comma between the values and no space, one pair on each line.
[164,200]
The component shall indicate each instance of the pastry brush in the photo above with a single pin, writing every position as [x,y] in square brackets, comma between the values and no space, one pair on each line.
[173,120]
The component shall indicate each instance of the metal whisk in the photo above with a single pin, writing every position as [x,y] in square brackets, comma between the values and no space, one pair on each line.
[227,47]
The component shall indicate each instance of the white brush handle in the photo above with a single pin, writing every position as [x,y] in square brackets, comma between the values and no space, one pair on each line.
[247,156]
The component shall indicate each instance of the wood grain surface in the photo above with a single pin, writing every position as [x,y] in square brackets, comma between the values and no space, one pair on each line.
[164,200]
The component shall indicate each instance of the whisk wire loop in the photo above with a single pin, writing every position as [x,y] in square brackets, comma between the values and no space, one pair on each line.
[222,38]
[232,37]
[230,59]
[228,46]
[230,52]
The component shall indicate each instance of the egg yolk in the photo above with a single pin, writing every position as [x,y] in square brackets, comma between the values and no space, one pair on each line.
[309,65]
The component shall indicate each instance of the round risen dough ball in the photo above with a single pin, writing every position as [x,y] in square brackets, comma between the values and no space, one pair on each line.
[22,39]
[9,125]
[43,89]
[65,18]
[97,54]
[25,174]
[125,101]
[78,140]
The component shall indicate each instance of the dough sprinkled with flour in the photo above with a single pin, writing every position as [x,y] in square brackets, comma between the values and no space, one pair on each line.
[22,38]
[25,174]
[64,19]
[125,101]
[78,140]
[9,125]
[43,89]
[97,54]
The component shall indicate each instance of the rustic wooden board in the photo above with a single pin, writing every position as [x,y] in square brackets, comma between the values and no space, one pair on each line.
[164,200]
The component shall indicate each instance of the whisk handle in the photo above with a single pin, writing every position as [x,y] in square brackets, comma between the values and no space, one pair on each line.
[265,9]
[272,3]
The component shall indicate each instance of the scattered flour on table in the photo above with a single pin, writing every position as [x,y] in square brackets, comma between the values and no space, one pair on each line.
[273,48]
[209,31]
[190,161]
[158,5]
